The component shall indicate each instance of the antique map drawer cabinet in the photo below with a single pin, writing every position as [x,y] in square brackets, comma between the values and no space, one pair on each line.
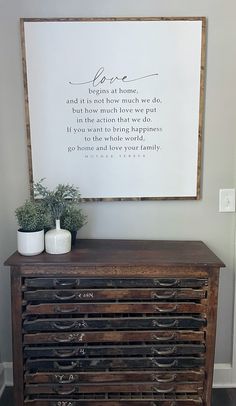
[115,323]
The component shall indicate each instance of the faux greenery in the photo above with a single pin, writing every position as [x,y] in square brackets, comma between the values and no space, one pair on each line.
[57,200]
[72,218]
[31,216]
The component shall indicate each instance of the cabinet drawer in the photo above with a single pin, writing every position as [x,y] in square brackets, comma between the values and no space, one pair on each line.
[70,283]
[96,351]
[179,401]
[115,308]
[121,323]
[75,364]
[114,336]
[137,387]
[84,295]
[130,376]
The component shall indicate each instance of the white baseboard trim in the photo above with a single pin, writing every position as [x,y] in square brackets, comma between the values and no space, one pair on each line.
[2,383]
[2,390]
[8,373]
[223,376]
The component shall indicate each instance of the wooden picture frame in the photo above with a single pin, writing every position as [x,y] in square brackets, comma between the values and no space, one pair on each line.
[115,105]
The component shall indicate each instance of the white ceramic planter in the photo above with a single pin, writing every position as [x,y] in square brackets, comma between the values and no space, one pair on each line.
[30,243]
[58,240]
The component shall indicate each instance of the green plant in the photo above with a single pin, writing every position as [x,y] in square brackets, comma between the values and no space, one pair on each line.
[72,218]
[31,216]
[57,200]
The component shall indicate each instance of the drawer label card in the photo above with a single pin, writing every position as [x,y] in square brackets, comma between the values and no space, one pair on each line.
[81,324]
[85,295]
[65,378]
[75,336]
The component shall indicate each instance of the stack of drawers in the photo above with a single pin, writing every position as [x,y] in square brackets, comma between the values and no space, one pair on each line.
[99,341]
[114,335]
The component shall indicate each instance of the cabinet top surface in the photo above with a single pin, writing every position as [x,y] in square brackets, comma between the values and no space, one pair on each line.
[126,253]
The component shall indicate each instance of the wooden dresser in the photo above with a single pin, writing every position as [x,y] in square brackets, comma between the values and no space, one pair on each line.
[115,323]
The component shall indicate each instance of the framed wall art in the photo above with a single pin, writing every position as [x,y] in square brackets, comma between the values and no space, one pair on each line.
[115,106]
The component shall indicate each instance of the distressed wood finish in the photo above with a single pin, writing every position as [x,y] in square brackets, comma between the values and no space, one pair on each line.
[93,295]
[116,308]
[134,323]
[114,364]
[111,350]
[101,377]
[145,255]
[115,323]
[114,337]
[220,397]
[111,388]
[16,284]
[211,330]
[191,401]
[114,282]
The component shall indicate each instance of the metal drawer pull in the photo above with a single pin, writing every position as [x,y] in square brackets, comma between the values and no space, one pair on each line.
[163,325]
[65,283]
[169,351]
[158,390]
[67,403]
[167,310]
[170,365]
[58,309]
[64,354]
[72,365]
[60,391]
[155,295]
[168,338]
[174,282]
[59,327]
[56,296]
[172,378]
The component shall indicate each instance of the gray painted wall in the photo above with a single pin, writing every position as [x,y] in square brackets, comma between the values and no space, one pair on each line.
[147,220]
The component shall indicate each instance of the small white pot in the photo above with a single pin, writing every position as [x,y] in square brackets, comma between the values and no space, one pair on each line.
[58,240]
[30,243]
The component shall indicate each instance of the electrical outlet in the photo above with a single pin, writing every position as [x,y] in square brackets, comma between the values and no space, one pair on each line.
[227,200]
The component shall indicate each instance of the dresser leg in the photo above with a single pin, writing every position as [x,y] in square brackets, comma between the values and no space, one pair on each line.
[211,332]
[16,299]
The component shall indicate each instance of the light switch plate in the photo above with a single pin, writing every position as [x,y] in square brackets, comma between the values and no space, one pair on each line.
[227,200]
